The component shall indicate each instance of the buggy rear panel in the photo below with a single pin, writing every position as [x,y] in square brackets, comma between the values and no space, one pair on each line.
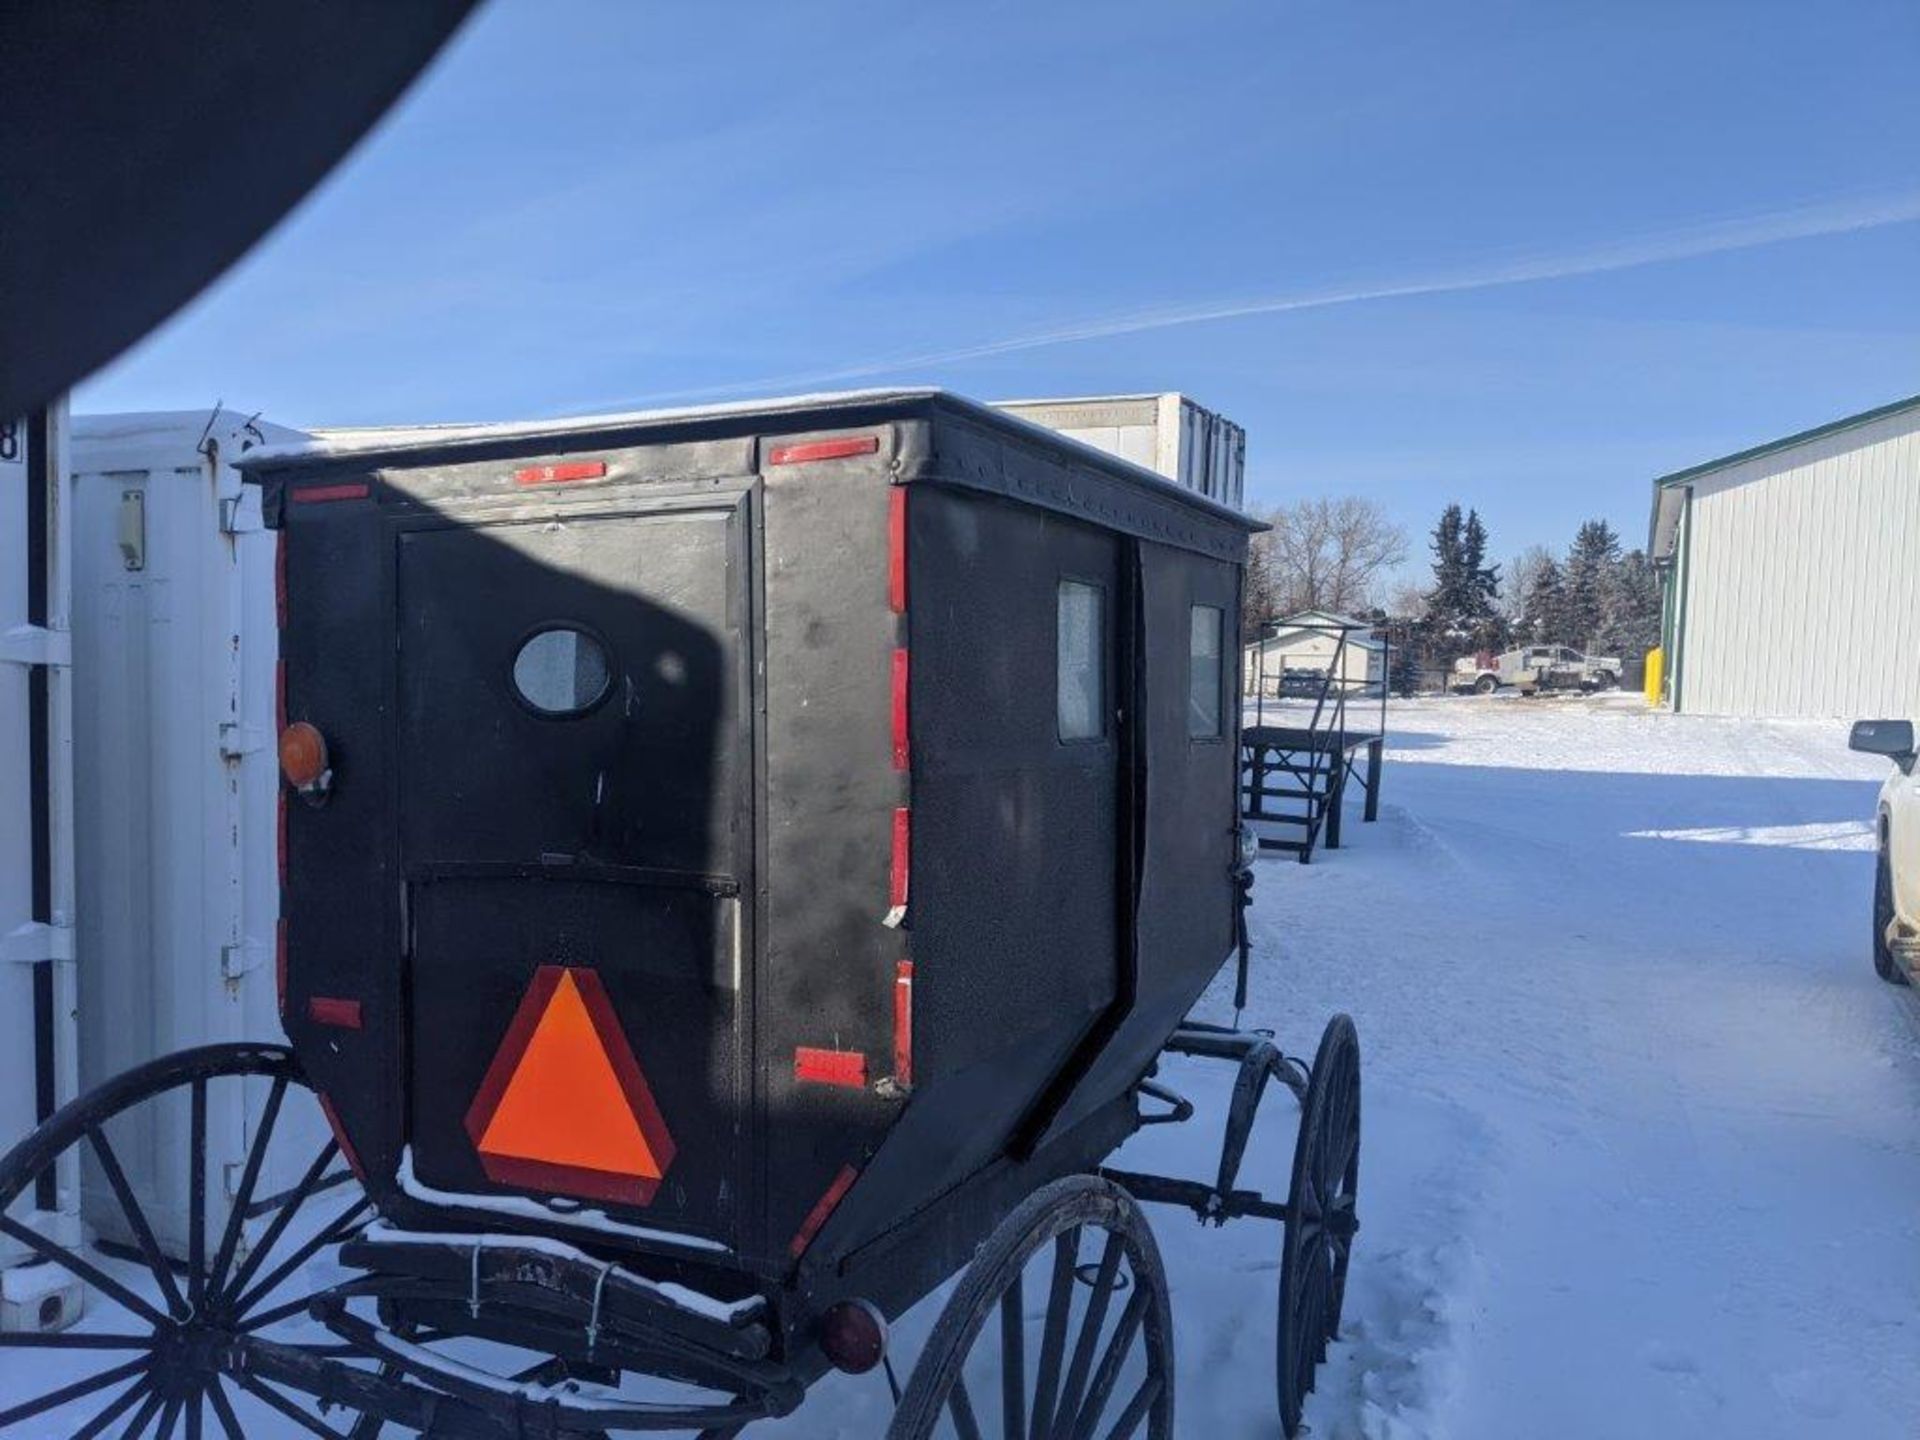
[753,835]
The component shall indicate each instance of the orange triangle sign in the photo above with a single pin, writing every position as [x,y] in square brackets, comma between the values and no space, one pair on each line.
[564,1108]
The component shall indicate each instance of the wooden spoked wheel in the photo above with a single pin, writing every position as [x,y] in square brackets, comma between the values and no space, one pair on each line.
[177,1299]
[1060,1328]
[1321,1218]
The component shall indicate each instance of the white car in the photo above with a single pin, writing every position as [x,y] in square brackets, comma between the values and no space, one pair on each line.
[1896,885]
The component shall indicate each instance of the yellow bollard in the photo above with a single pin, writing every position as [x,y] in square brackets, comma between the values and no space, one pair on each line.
[1656,673]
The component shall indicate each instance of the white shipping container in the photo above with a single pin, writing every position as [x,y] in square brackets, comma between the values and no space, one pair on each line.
[1169,433]
[175,643]
[38,1054]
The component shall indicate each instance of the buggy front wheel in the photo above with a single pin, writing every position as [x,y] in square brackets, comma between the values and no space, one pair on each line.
[1076,1256]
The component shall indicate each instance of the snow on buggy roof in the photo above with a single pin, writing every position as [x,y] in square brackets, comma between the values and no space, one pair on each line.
[376,444]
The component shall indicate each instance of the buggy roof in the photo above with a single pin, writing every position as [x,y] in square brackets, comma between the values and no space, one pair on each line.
[450,443]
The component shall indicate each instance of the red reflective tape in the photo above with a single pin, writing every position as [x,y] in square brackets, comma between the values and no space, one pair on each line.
[330,1010]
[280,580]
[902,843]
[901,751]
[897,549]
[340,1136]
[280,818]
[903,1022]
[824,449]
[280,963]
[563,474]
[822,1209]
[320,494]
[846,1068]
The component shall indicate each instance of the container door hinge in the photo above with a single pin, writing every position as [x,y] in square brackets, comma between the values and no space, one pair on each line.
[238,741]
[36,645]
[237,961]
[240,514]
[35,941]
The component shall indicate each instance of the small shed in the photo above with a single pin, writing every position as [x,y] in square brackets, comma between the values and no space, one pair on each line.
[1791,573]
[1298,653]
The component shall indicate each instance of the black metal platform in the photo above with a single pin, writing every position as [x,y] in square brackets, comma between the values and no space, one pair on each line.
[1297,777]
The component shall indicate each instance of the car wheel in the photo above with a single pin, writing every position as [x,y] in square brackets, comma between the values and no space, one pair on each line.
[1603,679]
[1486,685]
[1884,964]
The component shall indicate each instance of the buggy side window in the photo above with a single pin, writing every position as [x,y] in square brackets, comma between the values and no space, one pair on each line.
[1082,661]
[1205,627]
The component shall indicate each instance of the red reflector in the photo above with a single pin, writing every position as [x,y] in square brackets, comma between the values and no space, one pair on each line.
[903,1022]
[901,754]
[320,494]
[340,1136]
[327,1010]
[823,1208]
[897,550]
[853,1336]
[897,875]
[561,474]
[830,1067]
[824,449]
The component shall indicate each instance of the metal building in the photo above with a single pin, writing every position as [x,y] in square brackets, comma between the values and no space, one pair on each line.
[1791,573]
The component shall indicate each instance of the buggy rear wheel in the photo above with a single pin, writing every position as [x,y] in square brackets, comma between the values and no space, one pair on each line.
[1321,1218]
[1074,1247]
[174,1315]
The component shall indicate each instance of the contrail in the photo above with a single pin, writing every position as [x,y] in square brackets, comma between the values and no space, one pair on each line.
[1711,238]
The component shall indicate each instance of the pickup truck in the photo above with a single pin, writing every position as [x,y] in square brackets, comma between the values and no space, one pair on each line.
[1533,668]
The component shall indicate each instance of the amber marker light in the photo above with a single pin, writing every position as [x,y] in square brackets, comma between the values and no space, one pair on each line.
[303,760]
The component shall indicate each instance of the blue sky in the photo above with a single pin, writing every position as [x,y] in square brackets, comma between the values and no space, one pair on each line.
[1523,255]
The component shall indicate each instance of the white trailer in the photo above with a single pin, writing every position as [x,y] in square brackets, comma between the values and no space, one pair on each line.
[1169,433]
[38,1055]
[176,789]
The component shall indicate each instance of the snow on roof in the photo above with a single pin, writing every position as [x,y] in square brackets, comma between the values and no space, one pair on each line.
[331,442]
[137,439]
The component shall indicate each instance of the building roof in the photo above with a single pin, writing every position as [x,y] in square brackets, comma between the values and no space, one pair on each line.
[1322,622]
[1669,490]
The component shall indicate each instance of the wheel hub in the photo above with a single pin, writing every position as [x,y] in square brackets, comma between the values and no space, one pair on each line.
[186,1356]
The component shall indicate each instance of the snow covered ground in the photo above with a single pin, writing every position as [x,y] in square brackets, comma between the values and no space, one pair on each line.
[1642,1130]
[1642,1144]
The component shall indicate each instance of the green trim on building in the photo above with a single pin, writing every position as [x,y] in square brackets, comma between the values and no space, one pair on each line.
[1676,662]
[1819,432]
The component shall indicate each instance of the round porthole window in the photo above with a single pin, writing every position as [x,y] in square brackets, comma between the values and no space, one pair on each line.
[561,671]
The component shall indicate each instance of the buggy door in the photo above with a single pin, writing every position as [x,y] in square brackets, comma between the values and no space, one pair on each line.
[575,829]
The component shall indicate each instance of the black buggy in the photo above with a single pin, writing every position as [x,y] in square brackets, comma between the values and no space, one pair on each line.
[740,869]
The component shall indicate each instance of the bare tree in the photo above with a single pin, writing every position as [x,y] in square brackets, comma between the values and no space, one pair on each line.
[1522,571]
[1332,554]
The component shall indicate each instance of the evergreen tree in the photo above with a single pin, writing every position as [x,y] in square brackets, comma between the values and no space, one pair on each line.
[1630,607]
[1461,614]
[1595,552]
[1543,620]
[1259,605]
[1447,597]
[1482,579]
